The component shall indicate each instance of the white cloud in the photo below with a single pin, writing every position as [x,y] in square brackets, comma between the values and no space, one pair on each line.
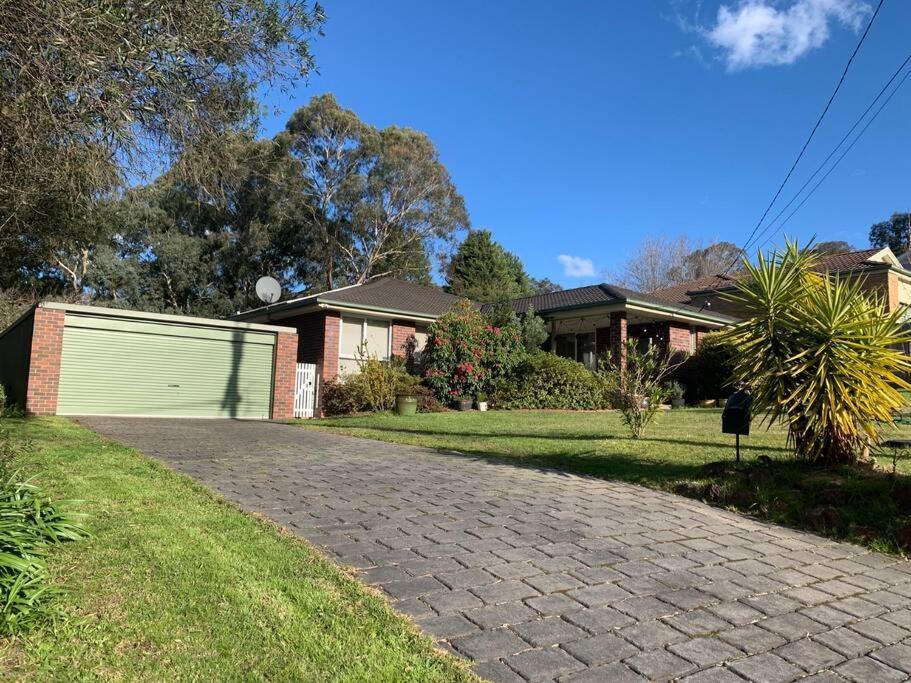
[756,33]
[576,266]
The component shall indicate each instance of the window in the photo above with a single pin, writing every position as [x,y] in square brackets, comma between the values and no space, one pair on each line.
[585,350]
[362,334]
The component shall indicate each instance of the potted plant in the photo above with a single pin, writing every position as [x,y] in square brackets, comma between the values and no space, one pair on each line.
[677,391]
[481,400]
[406,401]
[463,402]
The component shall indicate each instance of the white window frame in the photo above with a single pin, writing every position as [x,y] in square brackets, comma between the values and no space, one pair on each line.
[363,318]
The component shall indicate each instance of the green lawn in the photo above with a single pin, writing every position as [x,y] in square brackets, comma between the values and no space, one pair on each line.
[178,585]
[859,505]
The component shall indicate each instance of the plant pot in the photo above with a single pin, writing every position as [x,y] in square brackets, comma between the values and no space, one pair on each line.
[721,402]
[406,404]
[677,403]
[707,403]
[482,406]
[464,404]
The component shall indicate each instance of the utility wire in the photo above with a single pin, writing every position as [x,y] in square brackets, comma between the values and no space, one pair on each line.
[843,154]
[836,148]
[806,144]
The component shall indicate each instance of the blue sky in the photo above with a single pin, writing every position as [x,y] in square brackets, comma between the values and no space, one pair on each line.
[577,128]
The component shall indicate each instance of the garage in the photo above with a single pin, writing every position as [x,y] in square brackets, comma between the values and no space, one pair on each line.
[85,360]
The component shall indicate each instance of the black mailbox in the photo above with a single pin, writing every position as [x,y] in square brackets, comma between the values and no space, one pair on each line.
[735,419]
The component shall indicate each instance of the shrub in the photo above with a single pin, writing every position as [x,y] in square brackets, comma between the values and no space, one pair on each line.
[544,380]
[29,525]
[819,354]
[638,386]
[465,354]
[342,396]
[709,373]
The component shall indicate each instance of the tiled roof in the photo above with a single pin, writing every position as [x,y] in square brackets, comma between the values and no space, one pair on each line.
[593,295]
[393,294]
[833,263]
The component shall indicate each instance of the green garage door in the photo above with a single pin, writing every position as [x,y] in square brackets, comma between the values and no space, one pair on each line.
[116,366]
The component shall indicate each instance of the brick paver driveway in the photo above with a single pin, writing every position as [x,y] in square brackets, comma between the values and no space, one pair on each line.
[540,575]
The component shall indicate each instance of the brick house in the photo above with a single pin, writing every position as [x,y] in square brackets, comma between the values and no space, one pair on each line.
[883,275]
[391,317]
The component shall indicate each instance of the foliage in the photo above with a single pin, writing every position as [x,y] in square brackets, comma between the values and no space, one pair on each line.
[709,372]
[29,525]
[833,247]
[637,384]
[372,388]
[95,93]
[482,270]
[662,261]
[464,353]
[544,286]
[893,233]
[545,380]
[531,326]
[819,354]
[379,202]
[676,390]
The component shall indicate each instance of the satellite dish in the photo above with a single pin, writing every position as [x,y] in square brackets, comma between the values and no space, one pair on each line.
[268,290]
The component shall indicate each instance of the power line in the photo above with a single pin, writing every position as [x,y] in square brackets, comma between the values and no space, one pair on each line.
[806,144]
[837,147]
[843,154]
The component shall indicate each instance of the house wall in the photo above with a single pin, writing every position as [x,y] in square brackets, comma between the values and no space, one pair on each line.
[15,358]
[402,334]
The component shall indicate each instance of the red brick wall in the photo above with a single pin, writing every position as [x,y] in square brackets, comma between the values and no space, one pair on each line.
[402,332]
[678,337]
[328,365]
[283,377]
[44,365]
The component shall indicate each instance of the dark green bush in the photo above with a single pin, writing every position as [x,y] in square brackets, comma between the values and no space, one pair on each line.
[709,372]
[374,390]
[29,525]
[544,380]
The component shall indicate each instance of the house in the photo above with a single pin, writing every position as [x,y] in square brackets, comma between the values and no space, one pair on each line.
[387,317]
[883,275]
[392,316]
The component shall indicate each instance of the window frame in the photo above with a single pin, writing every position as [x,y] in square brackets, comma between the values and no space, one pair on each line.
[363,318]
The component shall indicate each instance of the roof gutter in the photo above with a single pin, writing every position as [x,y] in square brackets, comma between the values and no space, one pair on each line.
[360,308]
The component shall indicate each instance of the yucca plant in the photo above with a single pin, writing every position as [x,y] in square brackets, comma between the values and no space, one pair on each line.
[819,353]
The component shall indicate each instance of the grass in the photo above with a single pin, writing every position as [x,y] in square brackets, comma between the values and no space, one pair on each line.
[869,507]
[177,585]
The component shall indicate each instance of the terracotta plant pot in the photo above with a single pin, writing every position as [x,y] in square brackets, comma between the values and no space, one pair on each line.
[707,403]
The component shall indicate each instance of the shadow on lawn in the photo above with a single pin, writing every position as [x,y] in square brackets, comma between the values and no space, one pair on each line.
[562,436]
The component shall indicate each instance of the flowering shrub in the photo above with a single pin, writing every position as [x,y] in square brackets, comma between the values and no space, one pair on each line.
[464,353]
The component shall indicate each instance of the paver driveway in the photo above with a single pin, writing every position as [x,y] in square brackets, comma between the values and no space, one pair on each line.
[540,575]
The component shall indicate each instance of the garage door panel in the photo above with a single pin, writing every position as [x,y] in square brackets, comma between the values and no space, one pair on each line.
[150,371]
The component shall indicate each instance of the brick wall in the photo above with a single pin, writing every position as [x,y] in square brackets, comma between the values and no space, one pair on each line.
[44,363]
[284,374]
[328,365]
[402,333]
[678,338]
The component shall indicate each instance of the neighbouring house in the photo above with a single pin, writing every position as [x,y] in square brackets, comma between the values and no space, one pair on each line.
[68,359]
[882,272]
[391,317]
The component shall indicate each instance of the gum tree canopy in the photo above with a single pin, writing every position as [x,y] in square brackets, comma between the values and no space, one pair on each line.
[93,92]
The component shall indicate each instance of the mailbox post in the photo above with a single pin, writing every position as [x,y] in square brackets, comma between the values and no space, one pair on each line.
[736,416]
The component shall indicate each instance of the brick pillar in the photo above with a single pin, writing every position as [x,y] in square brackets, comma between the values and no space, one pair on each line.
[284,375]
[44,362]
[618,336]
[892,287]
[327,366]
